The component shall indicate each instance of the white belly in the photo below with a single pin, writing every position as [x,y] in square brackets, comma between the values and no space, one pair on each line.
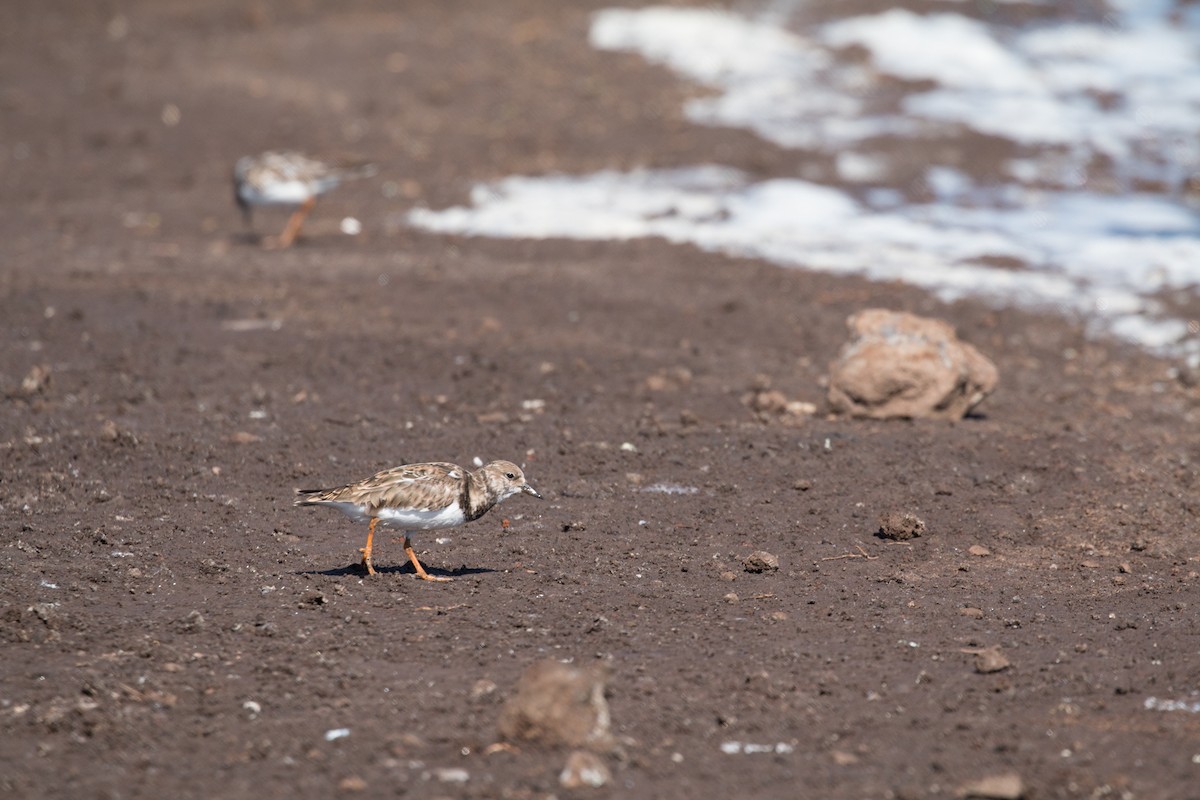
[413,520]
[280,193]
[407,518]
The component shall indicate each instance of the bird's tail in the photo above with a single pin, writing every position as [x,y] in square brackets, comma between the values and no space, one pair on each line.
[309,497]
[348,172]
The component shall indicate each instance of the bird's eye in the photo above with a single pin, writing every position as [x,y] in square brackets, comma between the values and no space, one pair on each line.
[511,476]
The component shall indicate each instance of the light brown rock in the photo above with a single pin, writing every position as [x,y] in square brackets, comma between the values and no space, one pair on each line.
[557,704]
[899,365]
[37,380]
[352,783]
[1005,786]
[991,659]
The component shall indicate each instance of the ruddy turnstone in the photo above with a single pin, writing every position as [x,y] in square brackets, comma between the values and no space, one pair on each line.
[421,497]
[288,178]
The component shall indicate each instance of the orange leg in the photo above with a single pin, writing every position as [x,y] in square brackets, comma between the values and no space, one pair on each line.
[421,573]
[366,551]
[293,226]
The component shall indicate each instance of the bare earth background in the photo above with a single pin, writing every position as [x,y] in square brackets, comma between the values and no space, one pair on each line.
[171,627]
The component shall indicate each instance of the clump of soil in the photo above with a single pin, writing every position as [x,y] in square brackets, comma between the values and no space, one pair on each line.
[900,526]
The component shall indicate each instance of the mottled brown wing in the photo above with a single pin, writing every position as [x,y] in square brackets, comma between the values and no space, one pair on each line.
[288,165]
[418,486]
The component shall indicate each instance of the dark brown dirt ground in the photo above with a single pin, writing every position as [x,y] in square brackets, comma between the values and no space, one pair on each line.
[170,626]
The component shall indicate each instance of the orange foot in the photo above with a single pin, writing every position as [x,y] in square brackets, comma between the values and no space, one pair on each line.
[421,573]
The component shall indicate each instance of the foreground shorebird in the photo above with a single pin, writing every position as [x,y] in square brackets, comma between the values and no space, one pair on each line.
[421,497]
[287,178]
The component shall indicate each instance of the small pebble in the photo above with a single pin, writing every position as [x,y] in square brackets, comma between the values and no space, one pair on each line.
[452,774]
[483,689]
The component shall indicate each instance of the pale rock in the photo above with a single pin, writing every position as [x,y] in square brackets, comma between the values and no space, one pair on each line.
[991,659]
[761,561]
[556,704]
[1004,786]
[899,365]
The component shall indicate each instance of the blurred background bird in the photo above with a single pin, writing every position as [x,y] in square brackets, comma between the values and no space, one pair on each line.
[288,178]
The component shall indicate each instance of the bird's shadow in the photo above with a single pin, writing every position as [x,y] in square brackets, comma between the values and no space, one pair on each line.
[357,570]
[246,238]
